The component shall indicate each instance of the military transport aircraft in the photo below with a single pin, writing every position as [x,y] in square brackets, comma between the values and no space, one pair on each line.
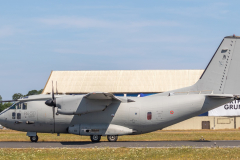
[103,114]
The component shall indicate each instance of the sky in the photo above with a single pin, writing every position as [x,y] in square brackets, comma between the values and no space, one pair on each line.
[37,37]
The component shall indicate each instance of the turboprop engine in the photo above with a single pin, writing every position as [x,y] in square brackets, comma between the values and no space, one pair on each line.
[83,104]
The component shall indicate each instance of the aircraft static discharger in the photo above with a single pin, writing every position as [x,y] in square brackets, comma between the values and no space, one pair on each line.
[103,114]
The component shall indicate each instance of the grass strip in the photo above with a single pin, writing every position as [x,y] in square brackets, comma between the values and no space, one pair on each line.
[121,153]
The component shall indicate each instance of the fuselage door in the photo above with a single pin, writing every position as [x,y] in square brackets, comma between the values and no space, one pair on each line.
[18,112]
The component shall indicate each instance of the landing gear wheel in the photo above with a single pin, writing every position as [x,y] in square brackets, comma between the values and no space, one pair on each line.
[34,138]
[95,138]
[112,138]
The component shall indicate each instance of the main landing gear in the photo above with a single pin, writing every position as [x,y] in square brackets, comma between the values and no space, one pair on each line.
[34,138]
[97,138]
[112,138]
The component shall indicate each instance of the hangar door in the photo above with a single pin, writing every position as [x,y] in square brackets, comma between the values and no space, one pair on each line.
[205,124]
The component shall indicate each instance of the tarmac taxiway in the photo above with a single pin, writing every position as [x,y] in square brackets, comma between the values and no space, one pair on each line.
[127,144]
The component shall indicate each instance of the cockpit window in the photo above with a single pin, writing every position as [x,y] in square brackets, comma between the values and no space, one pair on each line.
[18,105]
[13,115]
[18,115]
[24,106]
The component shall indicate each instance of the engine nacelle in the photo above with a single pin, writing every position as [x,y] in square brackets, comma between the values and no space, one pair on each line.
[99,129]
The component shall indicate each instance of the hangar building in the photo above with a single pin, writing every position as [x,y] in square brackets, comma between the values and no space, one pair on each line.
[135,83]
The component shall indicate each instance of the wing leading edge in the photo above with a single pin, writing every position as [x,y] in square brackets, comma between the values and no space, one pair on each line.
[101,96]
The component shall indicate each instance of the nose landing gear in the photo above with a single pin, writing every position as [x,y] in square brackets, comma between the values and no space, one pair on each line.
[34,138]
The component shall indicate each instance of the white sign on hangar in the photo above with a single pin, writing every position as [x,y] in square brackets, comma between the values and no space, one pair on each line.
[229,109]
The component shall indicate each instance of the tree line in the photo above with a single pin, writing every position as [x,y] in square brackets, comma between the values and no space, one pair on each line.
[18,96]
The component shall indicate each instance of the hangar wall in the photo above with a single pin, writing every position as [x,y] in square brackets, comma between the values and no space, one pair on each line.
[204,121]
[121,81]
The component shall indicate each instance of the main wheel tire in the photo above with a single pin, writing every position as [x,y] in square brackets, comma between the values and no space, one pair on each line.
[112,138]
[95,138]
[34,138]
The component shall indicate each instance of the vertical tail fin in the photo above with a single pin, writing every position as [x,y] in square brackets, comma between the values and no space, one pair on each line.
[222,74]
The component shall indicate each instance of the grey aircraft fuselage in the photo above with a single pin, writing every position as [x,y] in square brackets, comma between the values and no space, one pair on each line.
[163,111]
[103,114]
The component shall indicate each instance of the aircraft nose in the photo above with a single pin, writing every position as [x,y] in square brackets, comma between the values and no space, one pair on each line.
[2,118]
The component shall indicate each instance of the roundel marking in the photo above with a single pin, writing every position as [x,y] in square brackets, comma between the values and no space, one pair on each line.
[171,112]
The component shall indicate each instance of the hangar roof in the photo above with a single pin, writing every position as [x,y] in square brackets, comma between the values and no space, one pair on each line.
[121,81]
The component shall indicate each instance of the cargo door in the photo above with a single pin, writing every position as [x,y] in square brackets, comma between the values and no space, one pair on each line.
[134,115]
[18,112]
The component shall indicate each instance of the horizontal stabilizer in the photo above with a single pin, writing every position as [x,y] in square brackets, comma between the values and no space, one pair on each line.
[8,101]
[220,96]
[40,97]
[101,96]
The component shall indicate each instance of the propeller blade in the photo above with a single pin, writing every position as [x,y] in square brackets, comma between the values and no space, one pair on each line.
[51,102]
[52,91]
[56,88]
[53,111]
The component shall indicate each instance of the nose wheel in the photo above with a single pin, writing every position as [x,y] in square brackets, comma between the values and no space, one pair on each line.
[112,138]
[34,138]
[95,138]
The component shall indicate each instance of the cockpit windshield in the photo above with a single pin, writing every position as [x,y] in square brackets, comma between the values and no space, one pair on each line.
[13,106]
[22,106]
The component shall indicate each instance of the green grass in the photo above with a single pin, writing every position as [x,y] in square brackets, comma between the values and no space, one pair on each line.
[122,153]
[191,135]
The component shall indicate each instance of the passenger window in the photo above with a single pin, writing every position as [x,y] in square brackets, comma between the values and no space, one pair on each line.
[149,115]
[18,115]
[18,106]
[24,106]
[13,115]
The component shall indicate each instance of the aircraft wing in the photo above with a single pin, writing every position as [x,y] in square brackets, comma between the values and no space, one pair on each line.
[101,96]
